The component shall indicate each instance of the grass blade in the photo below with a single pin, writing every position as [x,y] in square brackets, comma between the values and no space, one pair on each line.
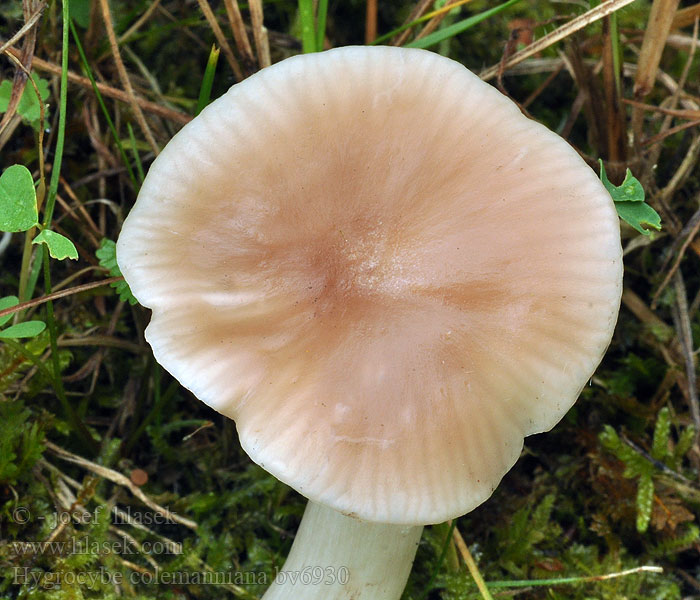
[321,24]
[457,28]
[308,26]
[207,80]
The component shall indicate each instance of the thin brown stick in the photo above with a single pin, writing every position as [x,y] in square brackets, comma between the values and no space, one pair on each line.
[69,211]
[471,564]
[543,86]
[139,22]
[657,30]
[86,215]
[239,33]
[24,63]
[614,113]
[420,9]
[687,166]
[262,44]
[666,129]
[439,15]
[123,75]
[55,295]
[686,16]
[24,29]
[591,16]
[659,137]
[220,38]
[108,90]
[682,114]
[693,231]
[685,336]
[119,479]
[370,21]
[41,189]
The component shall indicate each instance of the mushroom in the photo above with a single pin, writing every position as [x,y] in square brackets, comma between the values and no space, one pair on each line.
[388,276]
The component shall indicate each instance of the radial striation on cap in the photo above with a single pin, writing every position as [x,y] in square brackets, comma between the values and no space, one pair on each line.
[384,272]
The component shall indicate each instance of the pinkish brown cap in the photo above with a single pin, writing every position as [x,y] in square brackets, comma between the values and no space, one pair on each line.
[384,272]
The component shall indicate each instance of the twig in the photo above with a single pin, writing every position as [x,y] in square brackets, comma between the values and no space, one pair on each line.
[239,33]
[262,44]
[659,137]
[689,232]
[569,580]
[421,7]
[108,90]
[437,16]
[220,38]
[119,479]
[685,335]
[370,21]
[687,166]
[24,64]
[471,565]
[139,22]
[593,15]
[657,463]
[682,114]
[124,76]
[102,341]
[666,129]
[23,30]
[55,295]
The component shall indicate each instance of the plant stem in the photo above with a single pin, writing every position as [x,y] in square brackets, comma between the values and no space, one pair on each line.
[335,557]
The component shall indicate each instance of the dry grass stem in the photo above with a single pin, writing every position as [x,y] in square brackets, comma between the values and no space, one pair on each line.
[591,16]
[139,22]
[418,11]
[262,45]
[438,16]
[239,34]
[31,22]
[119,479]
[124,77]
[109,91]
[220,38]
[371,21]
[686,16]
[471,564]
[685,336]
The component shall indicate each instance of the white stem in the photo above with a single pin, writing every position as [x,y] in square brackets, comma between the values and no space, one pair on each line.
[335,557]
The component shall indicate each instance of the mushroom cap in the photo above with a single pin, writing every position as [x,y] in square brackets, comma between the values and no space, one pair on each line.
[384,272]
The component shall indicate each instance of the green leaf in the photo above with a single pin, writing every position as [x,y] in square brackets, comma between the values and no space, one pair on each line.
[107,255]
[629,202]
[59,246]
[7,302]
[630,190]
[23,330]
[645,500]
[18,210]
[639,215]
[29,105]
[80,12]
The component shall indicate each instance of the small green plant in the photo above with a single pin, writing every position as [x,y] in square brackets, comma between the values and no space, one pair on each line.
[18,330]
[107,255]
[637,465]
[21,441]
[629,202]
[19,212]
[29,107]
